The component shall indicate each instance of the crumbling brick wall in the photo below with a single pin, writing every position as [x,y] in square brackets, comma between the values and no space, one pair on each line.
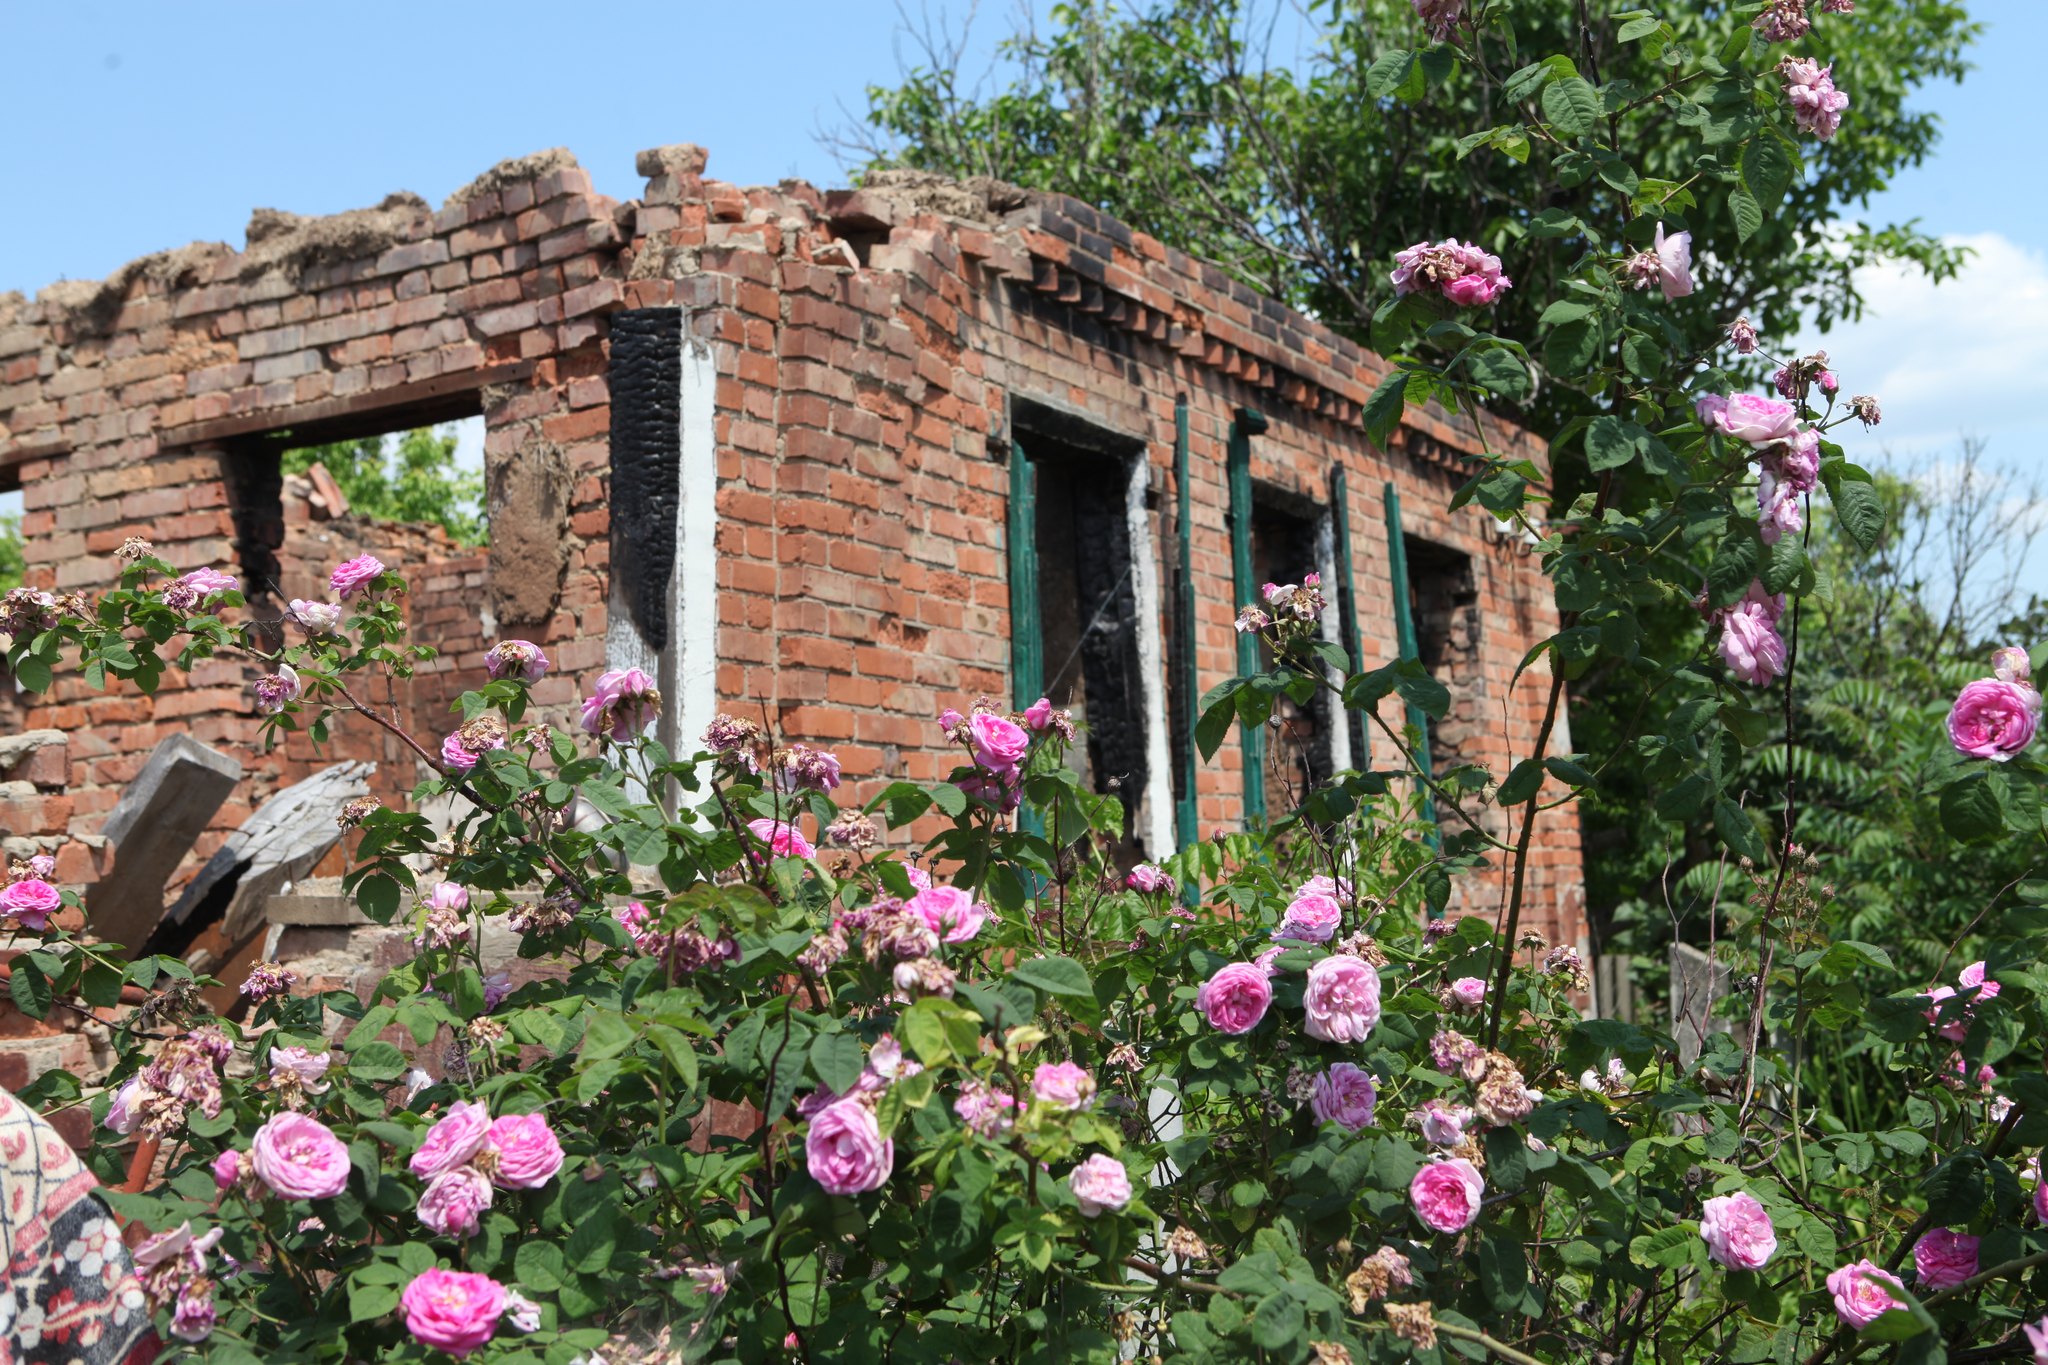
[873,351]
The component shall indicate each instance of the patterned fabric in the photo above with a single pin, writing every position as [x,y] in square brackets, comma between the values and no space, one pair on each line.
[70,1296]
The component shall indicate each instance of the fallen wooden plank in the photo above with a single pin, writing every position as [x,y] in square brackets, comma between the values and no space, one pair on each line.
[165,808]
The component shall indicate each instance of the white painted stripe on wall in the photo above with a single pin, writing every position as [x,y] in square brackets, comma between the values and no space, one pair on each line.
[1157,830]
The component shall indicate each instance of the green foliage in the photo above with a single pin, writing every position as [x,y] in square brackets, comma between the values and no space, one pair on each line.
[12,559]
[1304,182]
[411,476]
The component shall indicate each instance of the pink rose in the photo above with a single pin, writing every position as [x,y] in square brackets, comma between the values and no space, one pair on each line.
[1674,262]
[1860,1294]
[357,573]
[1038,715]
[1468,992]
[454,1201]
[227,1169]
[304,1067]
[1100,1185]
[1235,999]
[516,659]
[1149,879]
[2037,1337]
[207,582]
[529,1154]
[1310,918]
[1336,888]
[623,702]
[1751,645]
[192,1315]
[1993,719]
[2040,1197]
[999,744]
[1810,91]
[124,1111]
[1442,1125]
[299,1158]
[1063,1085]
[275,690]
[458,1136]
[952,913]
[30,902]
[1342,999]
[2010,664]
[456,756]
[1737,1231]
[1344,1094]
[1972,978]
[846,1151]
[1446,1194]
[1943,1259]
[452,1310]
[783,840]
[315,618]
[1750,417]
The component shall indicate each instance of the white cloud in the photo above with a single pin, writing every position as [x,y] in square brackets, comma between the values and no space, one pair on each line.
[1943,360]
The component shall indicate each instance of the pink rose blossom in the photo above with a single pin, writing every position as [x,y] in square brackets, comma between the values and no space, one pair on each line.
[1972,978]
[1442,1125]
[1860,1295]
[454,1201]
[1439,17]
[1336,888]
[950,719]
[1742,336]
[1750,643]
[1343,1094]
[622,704]
[529,1154]
[206,582]
[1810,89]
[274,690]
[1738,1231]
[1469,992]
[1748,417]
[1063,1085]
[458,1136]
[227,1168]
[452,1310]
[298,1157]
[1446,1194]
[1149,879]
[846,1151]
[783,840]
[124,1111]
[30,902]
[192,1315]
[1342,999]
[1236,998]
[952,913]
[1100,1185]
[42,866]
[356,574]
[307,1069]
[1993,719]
[523,1313]
[516,659]
[985,1110]
[2037,1337]
[1310,918]
[1038,715]
[2011,665]
[1463,274]
[315,618]
[1943,1259]
[999,744]
[1674,262]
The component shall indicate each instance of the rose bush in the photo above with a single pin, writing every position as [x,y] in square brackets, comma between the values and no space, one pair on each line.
[991,1095]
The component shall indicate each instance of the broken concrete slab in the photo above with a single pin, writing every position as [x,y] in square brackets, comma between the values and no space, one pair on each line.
[165,808]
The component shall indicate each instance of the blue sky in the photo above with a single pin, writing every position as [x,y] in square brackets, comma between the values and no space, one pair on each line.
[163,124]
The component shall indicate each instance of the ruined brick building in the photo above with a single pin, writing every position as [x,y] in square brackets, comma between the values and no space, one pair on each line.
[855,456]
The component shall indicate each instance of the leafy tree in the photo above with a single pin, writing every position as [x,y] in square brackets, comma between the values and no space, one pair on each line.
[12,560]
[410,477]
[1306,182]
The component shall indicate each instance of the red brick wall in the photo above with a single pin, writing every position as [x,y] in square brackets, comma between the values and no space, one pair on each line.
[862,422]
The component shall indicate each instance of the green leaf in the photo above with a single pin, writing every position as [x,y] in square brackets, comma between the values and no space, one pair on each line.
[1522,782]
[1668,1248]
[1396,75]
[837,1060]
[1747,213]
[1383,410]
[1857,505]
[30,988]
[1571,105]
[376,1061]
[1499,370]
[1738,831]
[1972,811]
[1638,28]
[1278,1321]
[1766,169]
[1214,726]
[1057,976]
[1612,443]
[539,1266]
